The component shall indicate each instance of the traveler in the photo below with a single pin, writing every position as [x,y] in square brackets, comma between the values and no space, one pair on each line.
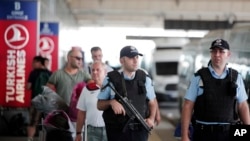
[38,77]
[96,54]
[63,80]
[87,107]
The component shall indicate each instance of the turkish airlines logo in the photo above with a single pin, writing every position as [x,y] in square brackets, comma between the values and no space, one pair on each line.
[16,36]
[46,45]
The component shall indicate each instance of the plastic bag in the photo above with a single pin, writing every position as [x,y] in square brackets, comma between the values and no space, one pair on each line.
[58,119]
[49,101]
[59,127]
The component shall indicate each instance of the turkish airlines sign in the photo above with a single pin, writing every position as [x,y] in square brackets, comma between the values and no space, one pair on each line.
[48,43]
[18,37]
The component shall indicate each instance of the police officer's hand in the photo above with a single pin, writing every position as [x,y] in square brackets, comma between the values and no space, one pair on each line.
[117,107]
[150,122]
[157,116]
[157,119]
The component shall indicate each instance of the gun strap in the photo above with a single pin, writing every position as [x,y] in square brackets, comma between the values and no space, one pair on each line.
[123,85]
[127,124]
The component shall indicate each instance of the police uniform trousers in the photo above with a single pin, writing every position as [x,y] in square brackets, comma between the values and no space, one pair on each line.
[134,132]
[217,132]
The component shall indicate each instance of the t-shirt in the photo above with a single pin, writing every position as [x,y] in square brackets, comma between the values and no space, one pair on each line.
[88,102]
[33,76]
[64,82]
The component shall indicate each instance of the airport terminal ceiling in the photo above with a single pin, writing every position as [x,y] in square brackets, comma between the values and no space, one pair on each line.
[141,13]
[145,14]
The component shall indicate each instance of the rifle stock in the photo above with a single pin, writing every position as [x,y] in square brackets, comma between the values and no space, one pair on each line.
[131,110]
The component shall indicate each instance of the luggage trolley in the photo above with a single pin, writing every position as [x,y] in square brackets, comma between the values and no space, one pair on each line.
[55,116]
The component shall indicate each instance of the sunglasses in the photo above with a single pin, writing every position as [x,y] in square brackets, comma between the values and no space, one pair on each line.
[77,58]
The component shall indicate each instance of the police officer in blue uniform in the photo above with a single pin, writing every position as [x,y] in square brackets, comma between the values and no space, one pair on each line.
[216,98]
[134,84]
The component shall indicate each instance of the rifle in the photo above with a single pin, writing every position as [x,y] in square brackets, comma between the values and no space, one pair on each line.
[131,110]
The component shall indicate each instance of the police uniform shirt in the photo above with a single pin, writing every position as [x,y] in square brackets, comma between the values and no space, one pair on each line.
[195,90]
[107,94]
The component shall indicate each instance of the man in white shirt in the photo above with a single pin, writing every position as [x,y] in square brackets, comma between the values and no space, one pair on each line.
[88,114]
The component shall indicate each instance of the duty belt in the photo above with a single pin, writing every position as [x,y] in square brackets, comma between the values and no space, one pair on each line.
[212,127]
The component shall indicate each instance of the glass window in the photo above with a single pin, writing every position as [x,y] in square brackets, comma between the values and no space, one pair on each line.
[166,68]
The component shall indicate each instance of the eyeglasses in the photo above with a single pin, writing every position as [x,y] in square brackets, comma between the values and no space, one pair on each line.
[77,58]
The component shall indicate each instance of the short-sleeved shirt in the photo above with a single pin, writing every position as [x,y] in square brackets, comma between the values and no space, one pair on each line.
[64,82]
[33,77]
[195,90]
[88,102]
[107,94]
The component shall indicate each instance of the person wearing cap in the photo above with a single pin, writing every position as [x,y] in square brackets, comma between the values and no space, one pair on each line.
[134,84]
[216,98]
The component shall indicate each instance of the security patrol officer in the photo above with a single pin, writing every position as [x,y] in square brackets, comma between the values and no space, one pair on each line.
[216,98]
[137,87]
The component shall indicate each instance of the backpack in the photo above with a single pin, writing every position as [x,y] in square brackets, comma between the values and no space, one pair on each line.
[41,80]
[58,126]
